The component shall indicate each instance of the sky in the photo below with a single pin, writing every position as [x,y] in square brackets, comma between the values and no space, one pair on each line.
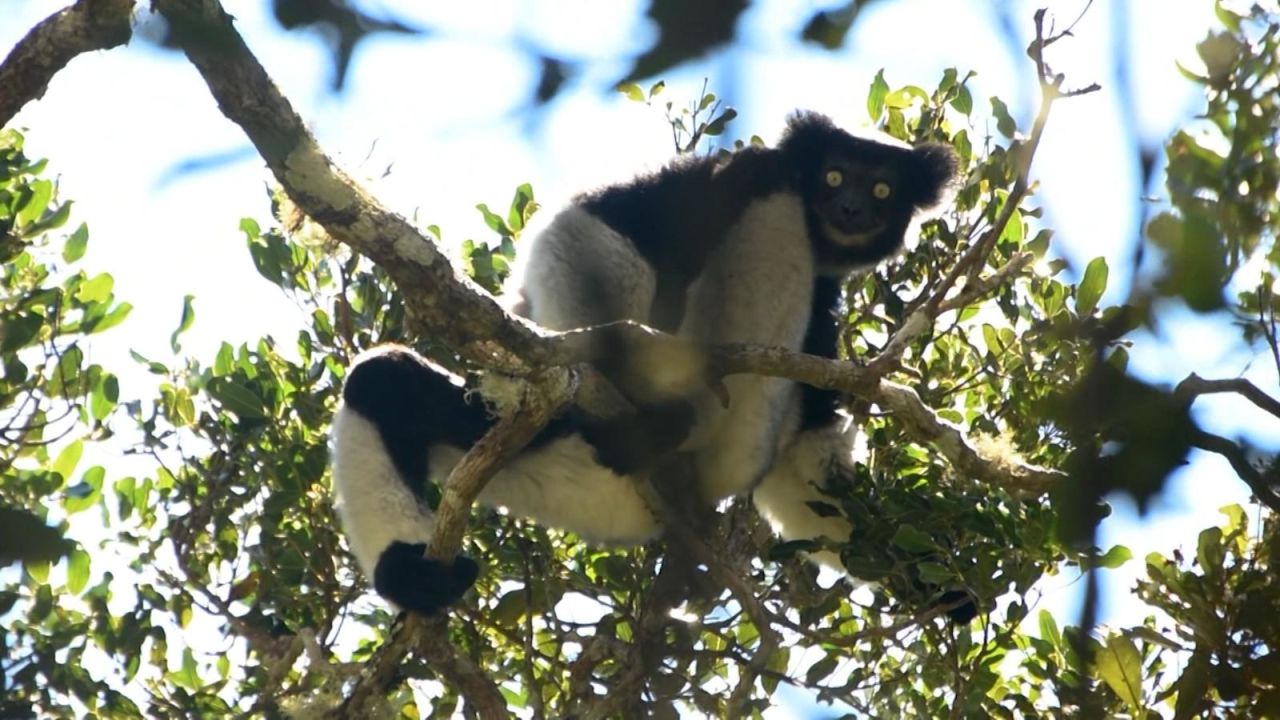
[448,116]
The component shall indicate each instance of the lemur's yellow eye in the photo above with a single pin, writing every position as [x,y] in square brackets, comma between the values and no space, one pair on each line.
[834,178]
[881,190]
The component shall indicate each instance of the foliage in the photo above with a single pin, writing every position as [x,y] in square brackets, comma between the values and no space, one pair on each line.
[231,590]
[52,400]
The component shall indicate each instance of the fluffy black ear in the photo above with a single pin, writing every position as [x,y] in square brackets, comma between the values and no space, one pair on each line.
[808,139]
[934,168]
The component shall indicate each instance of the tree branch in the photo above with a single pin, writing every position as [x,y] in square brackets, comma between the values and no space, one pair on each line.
[921,422]
[972,261]
[55,41]
[429,636]
[1194,386]
[1261,485]
[435,293]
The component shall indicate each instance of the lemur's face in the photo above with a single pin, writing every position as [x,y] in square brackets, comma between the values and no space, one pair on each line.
[863,194]
[856,202]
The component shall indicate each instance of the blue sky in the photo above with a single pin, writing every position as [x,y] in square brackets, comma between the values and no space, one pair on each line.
[447,114]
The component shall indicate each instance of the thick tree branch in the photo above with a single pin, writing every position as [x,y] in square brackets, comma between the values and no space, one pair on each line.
[86,26]
[435,293]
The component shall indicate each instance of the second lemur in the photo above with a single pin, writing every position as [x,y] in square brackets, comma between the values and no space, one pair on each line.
[750,249]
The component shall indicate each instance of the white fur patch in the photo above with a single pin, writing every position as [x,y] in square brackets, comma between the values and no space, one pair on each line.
[794,481]
[758,289]
[580,272]
[561,486]
[558,485]
[375,506]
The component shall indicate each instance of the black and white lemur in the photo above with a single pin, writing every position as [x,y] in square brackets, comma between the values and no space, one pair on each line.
[752,249]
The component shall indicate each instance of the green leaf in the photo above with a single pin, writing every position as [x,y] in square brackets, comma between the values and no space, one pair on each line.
[104,397]
[905,97]
[67,459]
[184,323]
[25,537]
[1039,244]
[1237,521]
[519,209]
[1049,629]
[493,220]
[1209,551]
[1091,287]
[1115,557]
[153,367]
[19,331]
[76,244]
[511,607]
[1120,666]
[934,573]
[41,192]
[37,569]
[237,398]
[188,676]
[117,315]
[53,221]
[77,571]
[1004,121]
[96,289]
[632,91]
[876,96]
[716,126]
[911,539]
[225,361]
[1193,686]
[777,664]
[85,494]
[963,101]
[1227,17]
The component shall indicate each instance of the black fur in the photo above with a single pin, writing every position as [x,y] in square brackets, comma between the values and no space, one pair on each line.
[918,176]
[414,406]
[677,215]
[416,583]
[818,405]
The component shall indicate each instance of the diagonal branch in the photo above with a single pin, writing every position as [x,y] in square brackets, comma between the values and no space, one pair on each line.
[55,41]
[435,293]
[1263,486]
[970,264]
[430,636]
[1194,386]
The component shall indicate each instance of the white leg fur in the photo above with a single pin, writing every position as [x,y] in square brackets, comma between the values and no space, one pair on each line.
[559,485]
[794,480]
[376,507]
